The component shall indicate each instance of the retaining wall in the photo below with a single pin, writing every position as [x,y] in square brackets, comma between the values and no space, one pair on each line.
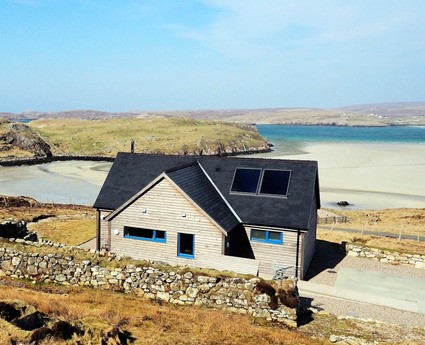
[233,294]
[386,256]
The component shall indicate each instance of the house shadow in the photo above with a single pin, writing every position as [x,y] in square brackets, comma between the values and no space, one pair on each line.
[326,257]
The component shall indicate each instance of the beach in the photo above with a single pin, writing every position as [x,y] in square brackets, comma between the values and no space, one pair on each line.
[367,175]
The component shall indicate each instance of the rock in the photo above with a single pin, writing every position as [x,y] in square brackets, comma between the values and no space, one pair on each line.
[8,312]
[60,278]
[188,275]
[40,334]
[420,265]
[343,203]
[192,292]
[25,138]
[164,296]
[63,330]
[31,321]
[32,270]
[16,261]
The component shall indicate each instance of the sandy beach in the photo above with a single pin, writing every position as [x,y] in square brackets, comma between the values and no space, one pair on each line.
[369,176]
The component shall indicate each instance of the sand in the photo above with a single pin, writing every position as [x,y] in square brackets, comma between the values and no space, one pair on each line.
[370,176]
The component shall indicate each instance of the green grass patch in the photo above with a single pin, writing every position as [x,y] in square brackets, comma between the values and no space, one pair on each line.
[160,135]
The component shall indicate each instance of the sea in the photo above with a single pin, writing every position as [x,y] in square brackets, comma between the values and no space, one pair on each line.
[391,134]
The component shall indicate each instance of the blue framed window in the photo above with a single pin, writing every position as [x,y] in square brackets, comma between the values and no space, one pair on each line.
[186,245]
[145,234]
[267,236]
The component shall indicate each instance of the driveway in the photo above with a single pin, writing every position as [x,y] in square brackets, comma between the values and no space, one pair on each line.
[365,288]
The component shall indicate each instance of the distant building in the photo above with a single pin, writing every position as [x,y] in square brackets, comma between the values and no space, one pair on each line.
[247,215]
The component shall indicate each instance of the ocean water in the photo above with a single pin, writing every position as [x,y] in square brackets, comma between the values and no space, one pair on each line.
[292,140]
[393,134]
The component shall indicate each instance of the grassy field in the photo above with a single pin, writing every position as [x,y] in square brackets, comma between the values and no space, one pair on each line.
[407,220]
[140,321]
[161,135]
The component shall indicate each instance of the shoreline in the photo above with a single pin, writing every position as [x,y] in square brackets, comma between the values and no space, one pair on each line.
[367,175]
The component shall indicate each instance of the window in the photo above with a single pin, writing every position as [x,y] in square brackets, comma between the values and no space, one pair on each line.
[186,245]
[275,182]
[246,180]
[272,182]
[268,236]
[144,234]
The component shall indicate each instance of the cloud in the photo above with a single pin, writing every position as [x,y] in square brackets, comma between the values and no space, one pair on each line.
[252,29]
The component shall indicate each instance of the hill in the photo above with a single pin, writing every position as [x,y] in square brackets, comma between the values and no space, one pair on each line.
[380,114]
[69,137]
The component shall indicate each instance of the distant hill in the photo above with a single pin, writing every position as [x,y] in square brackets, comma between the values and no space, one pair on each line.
[380,114]
[394,109]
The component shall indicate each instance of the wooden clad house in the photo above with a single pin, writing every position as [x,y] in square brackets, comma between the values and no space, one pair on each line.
[247,215]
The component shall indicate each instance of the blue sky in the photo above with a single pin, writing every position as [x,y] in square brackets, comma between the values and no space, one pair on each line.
[118,55]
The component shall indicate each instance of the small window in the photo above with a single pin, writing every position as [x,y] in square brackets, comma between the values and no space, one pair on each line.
[144,234]
[246,180]
[186,246]
[267,236]
[275,182]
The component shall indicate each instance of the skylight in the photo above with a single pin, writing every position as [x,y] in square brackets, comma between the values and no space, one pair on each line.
[246,180]
[273,182]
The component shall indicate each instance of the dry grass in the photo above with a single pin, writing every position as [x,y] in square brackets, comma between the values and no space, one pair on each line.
[27,214]
[408,220]
[384,243]
[160,135]
[148,322]
[67,231]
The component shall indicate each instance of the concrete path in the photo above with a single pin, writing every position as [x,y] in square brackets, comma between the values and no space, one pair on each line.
[90,244]
[372,287]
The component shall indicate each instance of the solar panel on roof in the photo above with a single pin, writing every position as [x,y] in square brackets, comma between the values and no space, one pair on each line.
[275,182]
[246,180]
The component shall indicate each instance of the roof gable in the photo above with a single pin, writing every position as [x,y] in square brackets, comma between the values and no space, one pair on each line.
[193,184]
[130,173]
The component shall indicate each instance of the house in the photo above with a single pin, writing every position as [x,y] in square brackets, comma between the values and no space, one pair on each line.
[248,215]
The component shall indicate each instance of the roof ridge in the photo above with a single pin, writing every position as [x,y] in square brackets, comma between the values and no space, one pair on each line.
[179,167]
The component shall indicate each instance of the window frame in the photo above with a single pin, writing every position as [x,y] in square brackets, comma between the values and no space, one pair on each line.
[154,237]
[267,239]
[184,255]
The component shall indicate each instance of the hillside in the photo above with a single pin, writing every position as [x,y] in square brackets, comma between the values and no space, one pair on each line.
[168,136]
[380,114]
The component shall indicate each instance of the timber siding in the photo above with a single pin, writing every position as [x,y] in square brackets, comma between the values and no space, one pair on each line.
[104,231]
[309,240]
[273,256]
[164,206]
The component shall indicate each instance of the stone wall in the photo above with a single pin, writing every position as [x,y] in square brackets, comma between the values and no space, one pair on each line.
[234,294]
[391,257]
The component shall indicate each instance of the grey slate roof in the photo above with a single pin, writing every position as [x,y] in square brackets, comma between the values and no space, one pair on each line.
[193,181]
[130,173]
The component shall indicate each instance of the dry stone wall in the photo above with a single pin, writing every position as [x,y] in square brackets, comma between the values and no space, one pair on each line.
[233,294]
[391,257]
